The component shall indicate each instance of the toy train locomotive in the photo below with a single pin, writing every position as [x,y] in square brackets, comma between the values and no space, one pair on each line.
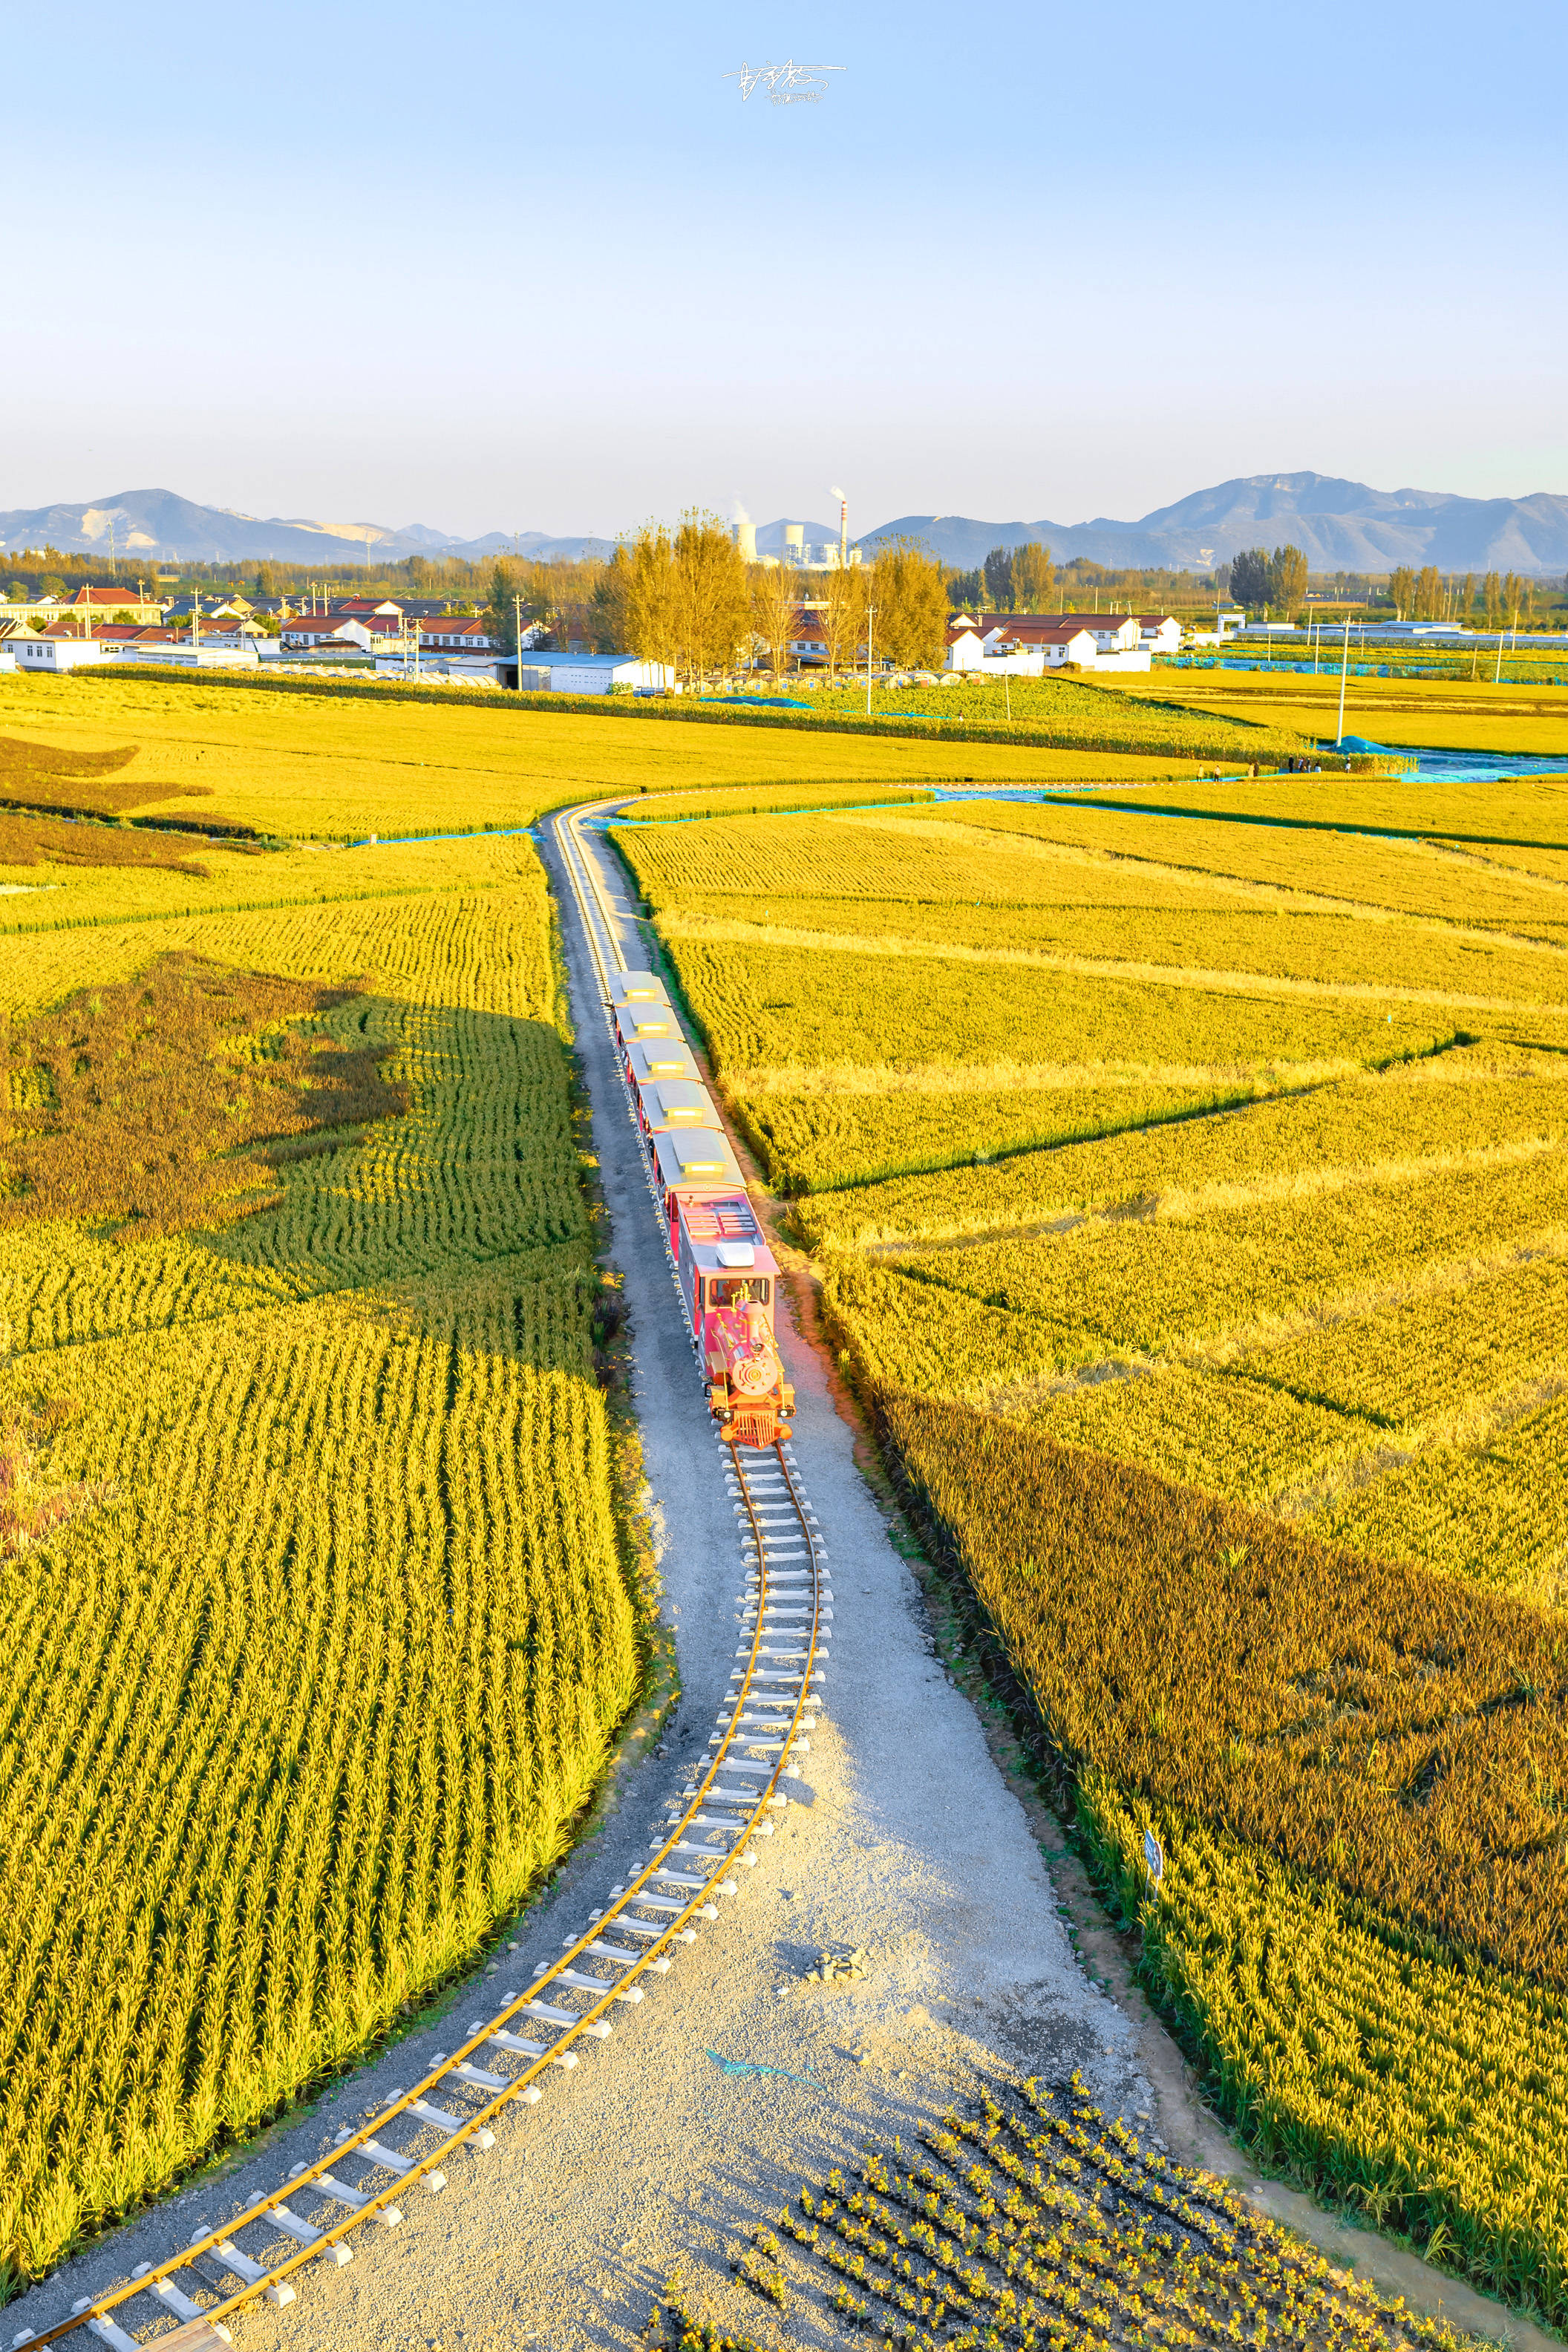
[727,1276]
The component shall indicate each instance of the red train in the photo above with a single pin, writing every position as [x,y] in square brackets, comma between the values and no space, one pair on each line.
[728,1279]
[727,1276]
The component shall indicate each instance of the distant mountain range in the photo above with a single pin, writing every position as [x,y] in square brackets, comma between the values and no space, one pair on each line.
[1343,526]
[150,526]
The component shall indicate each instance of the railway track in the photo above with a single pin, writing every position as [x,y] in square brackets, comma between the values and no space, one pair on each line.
[516,2054]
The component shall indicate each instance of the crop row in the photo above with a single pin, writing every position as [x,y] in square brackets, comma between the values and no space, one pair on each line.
[1025,2219]
[1433,2099]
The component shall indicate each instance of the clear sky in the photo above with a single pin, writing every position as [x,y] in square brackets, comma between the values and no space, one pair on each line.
[500,265]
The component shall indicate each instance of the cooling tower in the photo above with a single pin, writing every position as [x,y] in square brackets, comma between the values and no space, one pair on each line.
[746,541]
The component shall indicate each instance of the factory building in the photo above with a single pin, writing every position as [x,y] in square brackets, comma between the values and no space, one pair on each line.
[799,554]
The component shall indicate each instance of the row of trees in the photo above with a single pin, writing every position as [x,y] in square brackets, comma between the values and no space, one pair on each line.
[1505,599]
[686,597]
[1011,580]
[1273,584]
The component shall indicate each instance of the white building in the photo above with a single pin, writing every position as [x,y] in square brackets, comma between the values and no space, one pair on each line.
[336,632]
[48,655]
[1026,645]
[589,674]
[1159,632]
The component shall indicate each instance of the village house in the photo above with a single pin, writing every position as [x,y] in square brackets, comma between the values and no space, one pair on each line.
[1034,645]
[457,633]
[311,632]
[1031,643]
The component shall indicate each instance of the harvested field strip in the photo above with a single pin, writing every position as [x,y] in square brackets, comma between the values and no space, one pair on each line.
[1404,877]
[705,930]
[1455,1102]
[1340,2043]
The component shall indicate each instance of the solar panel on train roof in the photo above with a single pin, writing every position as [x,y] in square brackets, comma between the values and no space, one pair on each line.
[672,1102]
[635,1021]
[650,1060]
[638,988]
[696,1155]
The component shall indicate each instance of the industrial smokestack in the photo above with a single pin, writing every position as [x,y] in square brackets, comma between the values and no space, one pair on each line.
[746,541]
[843,525]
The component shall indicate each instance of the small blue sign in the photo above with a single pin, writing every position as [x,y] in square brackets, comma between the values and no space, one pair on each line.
[1153,1859]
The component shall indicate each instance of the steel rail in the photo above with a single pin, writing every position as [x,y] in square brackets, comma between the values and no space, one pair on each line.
[325,2239]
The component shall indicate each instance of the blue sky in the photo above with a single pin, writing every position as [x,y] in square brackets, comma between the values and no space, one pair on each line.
[497,267]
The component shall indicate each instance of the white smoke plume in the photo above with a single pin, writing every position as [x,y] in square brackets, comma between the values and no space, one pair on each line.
[738,511]
[834,492]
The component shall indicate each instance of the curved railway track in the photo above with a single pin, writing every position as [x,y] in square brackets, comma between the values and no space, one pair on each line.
[512,2057]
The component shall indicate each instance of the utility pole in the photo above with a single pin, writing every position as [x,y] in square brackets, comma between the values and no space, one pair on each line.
[517,605]
[1345,673]
[870,641]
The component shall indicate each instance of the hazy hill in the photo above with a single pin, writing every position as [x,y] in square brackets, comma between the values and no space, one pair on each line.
[1343,526]
[150,525]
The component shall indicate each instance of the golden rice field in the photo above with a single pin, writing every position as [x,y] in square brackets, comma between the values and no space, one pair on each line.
[1187,1183]
[336,767]
[1449,713]
[319,1631]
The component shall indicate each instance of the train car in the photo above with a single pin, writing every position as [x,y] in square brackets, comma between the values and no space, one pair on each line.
[638,988]
[728,1279]
[666,1105]
[645,1025]
[652,1058]
[693,1160]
